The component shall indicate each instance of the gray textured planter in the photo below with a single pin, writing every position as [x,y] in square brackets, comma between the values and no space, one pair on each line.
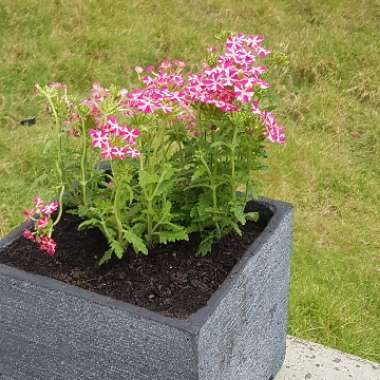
[51,330]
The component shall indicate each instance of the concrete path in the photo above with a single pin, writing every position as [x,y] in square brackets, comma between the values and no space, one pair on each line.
[312,361]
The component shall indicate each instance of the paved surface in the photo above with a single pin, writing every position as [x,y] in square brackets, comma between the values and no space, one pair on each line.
[311,361]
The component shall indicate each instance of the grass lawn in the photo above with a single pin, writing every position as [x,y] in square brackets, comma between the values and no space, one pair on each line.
[330,104]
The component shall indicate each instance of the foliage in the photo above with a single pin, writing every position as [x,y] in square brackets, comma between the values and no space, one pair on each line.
[179,148]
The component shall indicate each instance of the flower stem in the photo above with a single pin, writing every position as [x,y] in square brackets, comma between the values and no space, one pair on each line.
[58,162]
[116,206]
[214,195]
[148,199]
[60,210]
[83,164]
[233,163]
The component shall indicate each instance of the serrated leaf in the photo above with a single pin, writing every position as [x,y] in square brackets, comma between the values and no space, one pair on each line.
[146,179]
[165,211]
[139,228]
[137,243]
[82,211]
[172,236]
[252,216]
[126,194]
[168,172]
[106,257]
[163,188]
[103,204]
[90,223]
[198,173]
[220,143]
[239,214]
[72,211]
[117,248]
[236,228]
[205,245]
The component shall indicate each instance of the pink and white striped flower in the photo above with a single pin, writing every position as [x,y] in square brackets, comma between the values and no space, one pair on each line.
[99,138]
[129,135]
[229,76]
[133,153]
[146,105]
[50,208]
[262,84]
[106,152]
[243,92]
[114,125]
[148,80]
[117,152]
[41,215]
[254,41]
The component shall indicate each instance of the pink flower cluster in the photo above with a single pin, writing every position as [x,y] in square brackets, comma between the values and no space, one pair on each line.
[163,90]
[232,81]
[41,215]
[228,85]
[115,140]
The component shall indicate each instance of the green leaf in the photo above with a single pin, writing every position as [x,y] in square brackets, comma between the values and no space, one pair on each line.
[72,211]
[198,173]
[252,216]
[106,257]
[117,248]
[165,211]
[125,194]
[148,179]
[103,204]
[87,224]
[236,227]
[83,211]
[139,228]
[136,241]
[239,214]
[205,245]
[163,188]
[166,237]
[220,143]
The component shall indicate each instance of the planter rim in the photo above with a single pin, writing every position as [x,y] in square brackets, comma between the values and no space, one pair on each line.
[196,320]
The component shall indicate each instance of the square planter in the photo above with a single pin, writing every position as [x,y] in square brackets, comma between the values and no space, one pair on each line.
[51,330]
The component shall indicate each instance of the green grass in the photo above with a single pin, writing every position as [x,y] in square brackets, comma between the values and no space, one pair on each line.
[330,103]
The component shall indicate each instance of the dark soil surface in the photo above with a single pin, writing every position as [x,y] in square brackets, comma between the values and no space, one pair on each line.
[171,280]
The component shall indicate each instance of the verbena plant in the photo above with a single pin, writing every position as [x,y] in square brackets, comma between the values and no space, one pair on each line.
[153,164]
